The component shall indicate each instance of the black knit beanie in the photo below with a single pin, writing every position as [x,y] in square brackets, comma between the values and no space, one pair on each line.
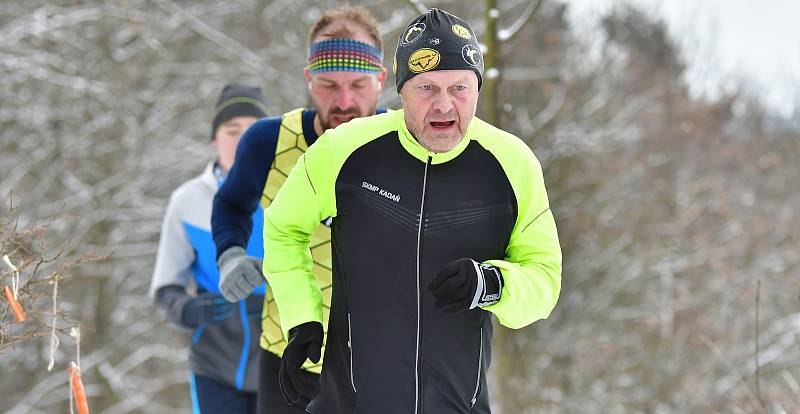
[436,40]
[238,100]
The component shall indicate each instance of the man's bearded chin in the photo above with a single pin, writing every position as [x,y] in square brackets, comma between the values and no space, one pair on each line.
[338,116]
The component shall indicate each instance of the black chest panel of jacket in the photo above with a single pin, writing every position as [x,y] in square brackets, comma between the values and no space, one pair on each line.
[399,222]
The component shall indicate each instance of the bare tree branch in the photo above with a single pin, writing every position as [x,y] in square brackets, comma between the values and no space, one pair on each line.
[226,43]
[417,5]
[505,35]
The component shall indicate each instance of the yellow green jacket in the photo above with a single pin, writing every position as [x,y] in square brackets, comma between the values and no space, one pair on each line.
[400,213]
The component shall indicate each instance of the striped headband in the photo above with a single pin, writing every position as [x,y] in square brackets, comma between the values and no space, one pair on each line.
[344,55]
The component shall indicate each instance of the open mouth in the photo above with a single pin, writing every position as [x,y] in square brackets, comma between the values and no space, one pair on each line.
[342,118]
[442,124]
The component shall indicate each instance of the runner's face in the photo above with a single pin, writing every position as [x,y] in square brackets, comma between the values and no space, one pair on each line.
[341,96]
[227,136]
[438,106]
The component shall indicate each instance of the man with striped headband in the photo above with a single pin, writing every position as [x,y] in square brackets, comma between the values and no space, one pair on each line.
[344,75]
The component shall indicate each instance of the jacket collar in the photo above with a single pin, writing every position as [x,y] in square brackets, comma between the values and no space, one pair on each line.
[421,153]
[208,177]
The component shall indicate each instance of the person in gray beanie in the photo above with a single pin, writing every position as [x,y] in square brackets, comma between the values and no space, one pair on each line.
[223,355]
[440,222]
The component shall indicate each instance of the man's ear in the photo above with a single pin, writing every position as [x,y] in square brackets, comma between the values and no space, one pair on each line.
[308,76]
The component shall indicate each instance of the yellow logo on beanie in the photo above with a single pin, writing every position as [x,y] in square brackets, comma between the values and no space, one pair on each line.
[461,31]
[423,60]
[394,64]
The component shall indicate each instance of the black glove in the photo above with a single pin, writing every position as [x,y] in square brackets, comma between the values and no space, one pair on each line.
[465,284]
[206,308]
[305,342]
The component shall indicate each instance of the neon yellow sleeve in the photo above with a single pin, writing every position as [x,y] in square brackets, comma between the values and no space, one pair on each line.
[305,199]
[532,266]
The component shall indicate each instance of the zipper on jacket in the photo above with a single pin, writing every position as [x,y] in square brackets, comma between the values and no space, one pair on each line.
[350,347]
[417,402]
[480,365]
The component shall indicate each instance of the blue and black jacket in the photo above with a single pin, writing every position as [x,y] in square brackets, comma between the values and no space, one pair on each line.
[226,351]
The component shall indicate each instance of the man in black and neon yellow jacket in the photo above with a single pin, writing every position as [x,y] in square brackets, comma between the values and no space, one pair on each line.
[439,221]
[345,75]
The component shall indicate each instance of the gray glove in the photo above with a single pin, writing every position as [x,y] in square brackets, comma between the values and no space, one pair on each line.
[239,273]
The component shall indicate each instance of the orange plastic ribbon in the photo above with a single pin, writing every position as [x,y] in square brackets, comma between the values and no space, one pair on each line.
[77,388]
[15,306]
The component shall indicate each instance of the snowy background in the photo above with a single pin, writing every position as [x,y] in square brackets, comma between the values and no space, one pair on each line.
[668,132]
